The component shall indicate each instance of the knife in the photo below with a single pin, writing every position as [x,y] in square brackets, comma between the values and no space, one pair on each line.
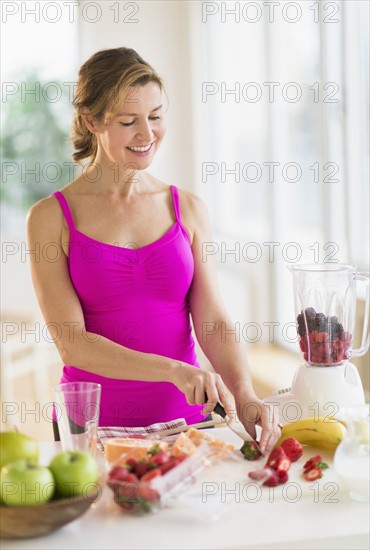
[234,424]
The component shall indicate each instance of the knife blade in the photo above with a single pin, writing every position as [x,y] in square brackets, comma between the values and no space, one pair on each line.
[234,424]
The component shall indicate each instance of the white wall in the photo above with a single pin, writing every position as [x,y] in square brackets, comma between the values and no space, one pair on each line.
[162,37]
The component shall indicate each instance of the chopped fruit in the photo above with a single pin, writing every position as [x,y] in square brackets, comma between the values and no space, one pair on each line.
[278,460]
[276,478]
[272,481]
[311,475]
[270,477]
[174,461]
[142,467]
[312,462]
[282,476]
[183,445]
[147,493]
[259,473]
[129,487]
[187,444]
[117,474]
[130,478]
[250,450]
[160,458]
[293,449]
[116,446]
[313,468]
[152,474]
[131,463]
[322,338]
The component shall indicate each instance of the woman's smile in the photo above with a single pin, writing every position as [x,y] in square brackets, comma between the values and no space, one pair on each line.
[140,150]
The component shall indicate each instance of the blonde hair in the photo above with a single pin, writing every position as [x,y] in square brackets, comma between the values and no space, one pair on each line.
[102,82]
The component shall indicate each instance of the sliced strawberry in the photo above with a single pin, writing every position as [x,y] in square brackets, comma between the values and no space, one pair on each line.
[312,462]
[282,476]
[278,460]
[312,474]
[272,480]
[293,449]
[259,473]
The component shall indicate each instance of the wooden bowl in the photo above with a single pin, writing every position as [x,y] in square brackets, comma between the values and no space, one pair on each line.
[18,522]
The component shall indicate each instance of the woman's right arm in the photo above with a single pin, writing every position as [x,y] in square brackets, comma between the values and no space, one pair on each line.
[64,318]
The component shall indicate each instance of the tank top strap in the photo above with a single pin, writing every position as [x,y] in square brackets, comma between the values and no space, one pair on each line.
[176,203]
[66,210]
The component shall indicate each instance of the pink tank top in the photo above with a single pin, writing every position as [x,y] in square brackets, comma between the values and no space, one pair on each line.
[137,297]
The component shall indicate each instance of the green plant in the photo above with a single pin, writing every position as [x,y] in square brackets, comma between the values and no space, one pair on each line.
[35,138]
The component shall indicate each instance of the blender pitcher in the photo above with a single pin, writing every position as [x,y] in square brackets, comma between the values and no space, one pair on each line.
[325,306]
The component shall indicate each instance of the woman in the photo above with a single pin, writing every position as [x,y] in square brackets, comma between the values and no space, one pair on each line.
[129,273]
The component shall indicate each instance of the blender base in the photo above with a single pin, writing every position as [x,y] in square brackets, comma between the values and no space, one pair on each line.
[318,391]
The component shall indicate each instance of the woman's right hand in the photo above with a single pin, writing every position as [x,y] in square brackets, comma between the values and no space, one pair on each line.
[201,387]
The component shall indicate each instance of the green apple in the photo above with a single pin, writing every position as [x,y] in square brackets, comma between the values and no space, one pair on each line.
[75,473]
[14,445]
[24,483]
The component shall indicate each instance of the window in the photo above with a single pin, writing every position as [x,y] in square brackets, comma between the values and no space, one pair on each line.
[38,71]
[283,110]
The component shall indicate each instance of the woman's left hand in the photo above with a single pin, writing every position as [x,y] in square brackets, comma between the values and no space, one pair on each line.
[252,411]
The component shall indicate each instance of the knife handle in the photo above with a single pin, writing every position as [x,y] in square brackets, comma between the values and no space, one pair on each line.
[218,409]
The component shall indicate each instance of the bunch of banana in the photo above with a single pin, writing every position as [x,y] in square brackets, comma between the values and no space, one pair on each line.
[324,432]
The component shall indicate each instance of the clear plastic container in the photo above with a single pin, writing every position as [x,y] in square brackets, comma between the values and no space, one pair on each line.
[153,491]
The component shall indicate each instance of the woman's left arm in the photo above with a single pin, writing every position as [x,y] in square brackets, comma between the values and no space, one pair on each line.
[216,333]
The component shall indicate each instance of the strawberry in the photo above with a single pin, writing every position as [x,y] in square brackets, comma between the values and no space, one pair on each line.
[131,463]
[312,474]
[271,477]
[160,458]
[142,467]
[147,493]
[312,462]
[116,475]
[173,461]
[282,476]
[151,474]
[276,478]
[250,450]
[259,473]
[272,481]
[293,449]
[313,468]
[128,488]
[278,460]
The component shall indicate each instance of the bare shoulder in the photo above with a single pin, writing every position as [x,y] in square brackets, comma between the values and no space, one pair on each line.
[194,215]
[192,207]
[45,215]
[190,201]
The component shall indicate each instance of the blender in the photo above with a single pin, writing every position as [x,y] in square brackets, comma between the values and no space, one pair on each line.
[325,307]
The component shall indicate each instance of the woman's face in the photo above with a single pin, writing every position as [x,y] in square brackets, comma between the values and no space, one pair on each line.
[133,135]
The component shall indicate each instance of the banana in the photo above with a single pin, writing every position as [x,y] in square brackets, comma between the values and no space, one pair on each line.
[323,432]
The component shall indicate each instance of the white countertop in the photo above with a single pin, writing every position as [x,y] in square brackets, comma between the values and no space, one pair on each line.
[299,514]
